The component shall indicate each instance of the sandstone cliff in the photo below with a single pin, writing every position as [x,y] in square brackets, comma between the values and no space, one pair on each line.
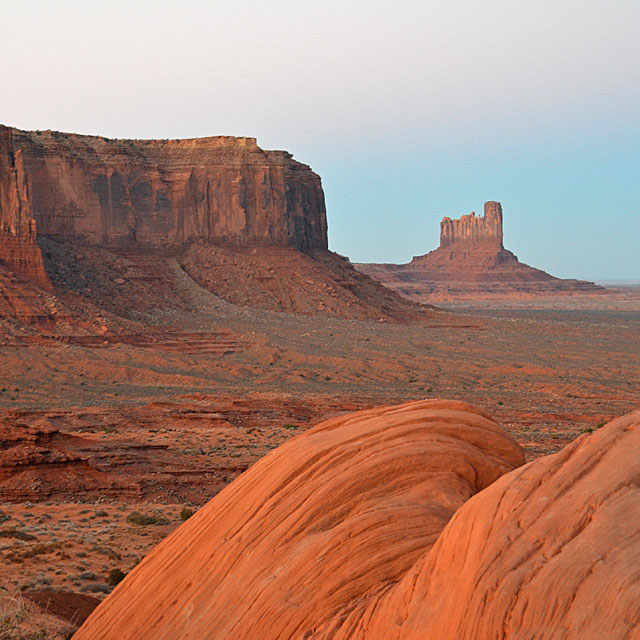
[167,193]
[471,263]
[19,251]
[255,218]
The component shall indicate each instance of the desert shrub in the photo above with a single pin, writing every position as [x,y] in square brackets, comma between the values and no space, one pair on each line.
[135,517]
[289,426]
[21,620]
[115,577]
[87,575]
[186,513]
[16,533]
[96,587]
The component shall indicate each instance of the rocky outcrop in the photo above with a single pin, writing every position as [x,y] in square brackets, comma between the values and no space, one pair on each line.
[39,463]
[474,230]
[168,193]
[345,532]
[548,551]
[255,218]
[19,251]
[472,263]
[315,529]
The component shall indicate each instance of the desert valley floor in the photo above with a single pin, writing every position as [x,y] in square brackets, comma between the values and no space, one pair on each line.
[118,423]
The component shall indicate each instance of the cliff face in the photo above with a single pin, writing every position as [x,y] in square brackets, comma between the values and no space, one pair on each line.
[167,193]
[471,229]
[19,251]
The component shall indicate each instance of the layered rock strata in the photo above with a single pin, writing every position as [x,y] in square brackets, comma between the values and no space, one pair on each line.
[161,202]
[168,193]
[346,532]
[313,530]
[471,262]
[19,251]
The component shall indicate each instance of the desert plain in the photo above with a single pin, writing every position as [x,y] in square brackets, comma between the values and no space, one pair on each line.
[139,380]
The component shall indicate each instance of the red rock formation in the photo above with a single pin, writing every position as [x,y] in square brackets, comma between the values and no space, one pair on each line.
[331,537]
[36,464]
[19,251]
[167,193]
[471,229]
[550,550]
[318,527]
[471,263]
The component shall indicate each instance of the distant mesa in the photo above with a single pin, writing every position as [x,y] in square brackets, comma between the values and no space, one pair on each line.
[471,262]
[80,213]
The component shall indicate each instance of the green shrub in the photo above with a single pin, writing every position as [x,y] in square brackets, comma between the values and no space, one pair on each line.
[135,517]
[115,577]
[186,513]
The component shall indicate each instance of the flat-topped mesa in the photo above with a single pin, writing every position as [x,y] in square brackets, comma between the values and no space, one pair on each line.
[19,251]
[170,193]
[472,229]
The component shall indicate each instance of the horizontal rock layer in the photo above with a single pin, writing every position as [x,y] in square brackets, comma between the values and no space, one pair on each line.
[167,193]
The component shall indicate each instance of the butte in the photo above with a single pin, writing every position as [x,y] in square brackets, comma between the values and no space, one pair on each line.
[472,263]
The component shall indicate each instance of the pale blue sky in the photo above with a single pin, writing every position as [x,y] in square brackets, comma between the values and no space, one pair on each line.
[408,110]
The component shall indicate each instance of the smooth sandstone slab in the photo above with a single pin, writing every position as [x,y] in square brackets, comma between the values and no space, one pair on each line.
[551,550]
[313,531]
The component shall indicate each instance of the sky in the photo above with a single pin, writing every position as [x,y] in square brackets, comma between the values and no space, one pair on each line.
[409,111]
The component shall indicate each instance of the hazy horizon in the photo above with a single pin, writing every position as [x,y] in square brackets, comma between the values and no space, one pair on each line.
[408,112]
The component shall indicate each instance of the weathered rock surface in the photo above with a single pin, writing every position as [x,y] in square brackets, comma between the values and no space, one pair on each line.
[19,251]
[471,262]
[314,530]
[332,536]
[550,550]
[167,193]
[37,464]
[473,229]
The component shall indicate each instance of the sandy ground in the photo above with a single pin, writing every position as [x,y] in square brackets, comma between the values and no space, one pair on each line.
[127,424]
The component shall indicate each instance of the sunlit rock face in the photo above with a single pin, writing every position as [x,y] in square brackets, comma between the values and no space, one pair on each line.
[168,193]
[473,229]
[402,523]
[314,530]
[19,251]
